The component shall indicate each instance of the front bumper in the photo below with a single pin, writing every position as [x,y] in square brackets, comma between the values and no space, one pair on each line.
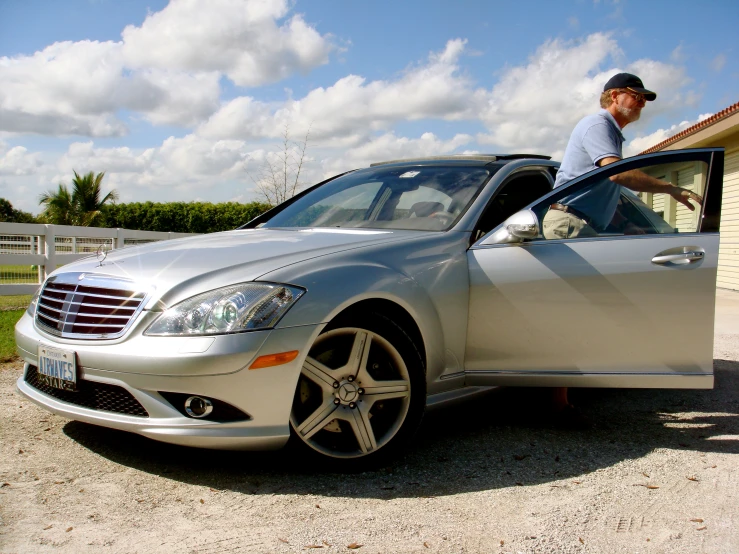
[265,395]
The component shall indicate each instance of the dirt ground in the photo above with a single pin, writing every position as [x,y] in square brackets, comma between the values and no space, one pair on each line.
[656,471]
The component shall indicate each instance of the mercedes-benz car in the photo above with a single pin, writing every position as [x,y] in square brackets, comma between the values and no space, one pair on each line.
[337,318]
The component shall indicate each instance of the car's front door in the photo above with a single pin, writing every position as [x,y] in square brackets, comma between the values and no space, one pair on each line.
[625,304]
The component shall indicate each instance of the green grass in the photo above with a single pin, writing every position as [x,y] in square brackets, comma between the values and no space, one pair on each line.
[19,301]
[8,319]
[12,274]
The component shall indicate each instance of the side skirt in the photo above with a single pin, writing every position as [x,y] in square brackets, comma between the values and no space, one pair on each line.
[594,380]
[449,398]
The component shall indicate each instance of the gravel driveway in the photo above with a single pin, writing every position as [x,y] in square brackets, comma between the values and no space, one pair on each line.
[658,471]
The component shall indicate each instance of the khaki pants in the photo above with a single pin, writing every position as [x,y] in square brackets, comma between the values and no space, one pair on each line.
[563,225]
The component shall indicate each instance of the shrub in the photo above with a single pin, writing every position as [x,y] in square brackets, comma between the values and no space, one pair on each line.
[181,217]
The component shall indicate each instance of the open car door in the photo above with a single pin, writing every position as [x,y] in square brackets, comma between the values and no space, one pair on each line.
[632,305]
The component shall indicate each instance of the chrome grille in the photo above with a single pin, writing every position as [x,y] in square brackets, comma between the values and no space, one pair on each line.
[88,305]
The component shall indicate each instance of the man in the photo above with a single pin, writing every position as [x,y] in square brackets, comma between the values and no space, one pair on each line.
[597,141]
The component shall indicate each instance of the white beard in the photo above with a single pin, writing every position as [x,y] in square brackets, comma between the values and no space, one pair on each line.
[629,114]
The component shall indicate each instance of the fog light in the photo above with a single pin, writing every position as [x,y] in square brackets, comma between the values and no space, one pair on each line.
[197,406]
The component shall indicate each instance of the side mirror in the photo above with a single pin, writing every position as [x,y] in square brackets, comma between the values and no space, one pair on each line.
[520,226]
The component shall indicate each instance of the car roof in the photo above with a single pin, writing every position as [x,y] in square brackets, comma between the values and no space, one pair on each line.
[463,159]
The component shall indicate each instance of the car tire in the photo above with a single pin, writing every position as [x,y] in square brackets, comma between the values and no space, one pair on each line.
[361,393]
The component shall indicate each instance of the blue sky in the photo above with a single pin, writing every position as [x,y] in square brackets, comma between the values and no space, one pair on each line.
[187,100]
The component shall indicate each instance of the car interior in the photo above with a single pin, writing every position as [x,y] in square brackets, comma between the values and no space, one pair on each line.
[518,192]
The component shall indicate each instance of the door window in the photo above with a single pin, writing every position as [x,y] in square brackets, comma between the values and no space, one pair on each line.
[608,205]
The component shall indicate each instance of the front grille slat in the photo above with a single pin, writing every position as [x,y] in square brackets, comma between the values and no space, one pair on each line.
[88,306]
[122,306]
[61,286]
[106,306]
[114,325]
[91,314]
[90,394]
[52,308]
[109,296]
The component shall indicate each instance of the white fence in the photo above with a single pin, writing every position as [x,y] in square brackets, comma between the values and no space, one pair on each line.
[30,251]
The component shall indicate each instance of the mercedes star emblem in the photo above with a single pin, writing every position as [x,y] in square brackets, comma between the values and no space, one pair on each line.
[102,253]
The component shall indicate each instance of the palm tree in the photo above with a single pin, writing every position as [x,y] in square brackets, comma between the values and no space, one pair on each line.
[59,207]
[83,206]
[87,193]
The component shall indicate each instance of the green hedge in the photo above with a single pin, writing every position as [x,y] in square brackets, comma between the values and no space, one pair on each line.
[181,217]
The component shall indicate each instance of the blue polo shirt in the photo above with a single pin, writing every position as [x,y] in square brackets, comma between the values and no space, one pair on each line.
[595,137]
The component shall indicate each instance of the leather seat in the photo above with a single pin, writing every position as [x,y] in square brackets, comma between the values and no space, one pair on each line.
[425,209]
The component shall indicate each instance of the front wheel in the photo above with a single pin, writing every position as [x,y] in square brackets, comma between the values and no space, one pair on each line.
[361,390]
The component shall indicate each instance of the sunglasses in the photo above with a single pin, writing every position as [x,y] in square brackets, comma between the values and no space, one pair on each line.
[638,97]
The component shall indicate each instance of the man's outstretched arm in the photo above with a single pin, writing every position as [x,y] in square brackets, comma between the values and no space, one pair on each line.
[639,181]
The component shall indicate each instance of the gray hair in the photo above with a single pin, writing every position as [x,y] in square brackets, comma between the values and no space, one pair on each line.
[605,98]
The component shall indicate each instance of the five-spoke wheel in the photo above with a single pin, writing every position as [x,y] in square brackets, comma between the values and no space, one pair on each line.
[356,391]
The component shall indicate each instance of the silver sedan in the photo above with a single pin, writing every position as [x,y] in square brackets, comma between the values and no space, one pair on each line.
[335,319]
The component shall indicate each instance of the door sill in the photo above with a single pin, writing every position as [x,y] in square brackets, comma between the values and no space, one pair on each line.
[594,380]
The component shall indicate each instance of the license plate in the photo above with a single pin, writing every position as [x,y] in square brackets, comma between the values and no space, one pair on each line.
[57,368]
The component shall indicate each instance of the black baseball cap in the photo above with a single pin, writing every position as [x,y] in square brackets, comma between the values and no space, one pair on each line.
[631,82]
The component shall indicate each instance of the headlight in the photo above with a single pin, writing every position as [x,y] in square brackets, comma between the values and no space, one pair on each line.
[233,309]
[31,310]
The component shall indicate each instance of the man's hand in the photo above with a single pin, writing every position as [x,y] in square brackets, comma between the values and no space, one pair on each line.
[684,196]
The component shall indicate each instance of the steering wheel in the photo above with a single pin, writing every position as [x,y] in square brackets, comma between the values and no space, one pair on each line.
[445,218]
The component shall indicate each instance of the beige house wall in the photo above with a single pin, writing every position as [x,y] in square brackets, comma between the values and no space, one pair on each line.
[724,133]
[728,256]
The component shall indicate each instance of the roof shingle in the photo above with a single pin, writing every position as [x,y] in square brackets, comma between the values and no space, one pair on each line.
[731,110]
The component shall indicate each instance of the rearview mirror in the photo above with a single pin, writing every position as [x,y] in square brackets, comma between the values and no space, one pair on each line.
[520,226]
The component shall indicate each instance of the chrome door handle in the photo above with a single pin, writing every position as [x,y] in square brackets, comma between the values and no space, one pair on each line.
[679,258]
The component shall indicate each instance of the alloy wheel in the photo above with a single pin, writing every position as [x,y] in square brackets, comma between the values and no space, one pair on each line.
[353,394]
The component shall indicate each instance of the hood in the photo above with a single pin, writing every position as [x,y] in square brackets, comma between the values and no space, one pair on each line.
[176,268]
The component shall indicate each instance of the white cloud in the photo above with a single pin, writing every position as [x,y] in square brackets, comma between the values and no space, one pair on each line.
[83,157]
[354,106]
[242,117]
[390,147]
[185,99]
[639,144]
[238,38]
[67,88]
[192,166]
[17,161]
[177,169]
[677,55]
[533,108]
[718,63]
[76,88]
[167,71]
[192,155]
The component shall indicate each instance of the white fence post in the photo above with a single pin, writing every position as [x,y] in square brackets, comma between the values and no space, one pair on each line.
[49,250]
[40,249]
[120,239]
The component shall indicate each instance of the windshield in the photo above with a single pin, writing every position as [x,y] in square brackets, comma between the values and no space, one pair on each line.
[429,198]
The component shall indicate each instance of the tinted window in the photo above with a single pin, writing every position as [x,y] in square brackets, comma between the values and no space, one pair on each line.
[602,207]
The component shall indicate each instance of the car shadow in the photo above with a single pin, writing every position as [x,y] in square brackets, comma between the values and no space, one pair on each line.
[504,439]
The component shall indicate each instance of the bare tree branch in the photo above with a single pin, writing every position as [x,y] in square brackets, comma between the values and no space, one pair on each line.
[279,177]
